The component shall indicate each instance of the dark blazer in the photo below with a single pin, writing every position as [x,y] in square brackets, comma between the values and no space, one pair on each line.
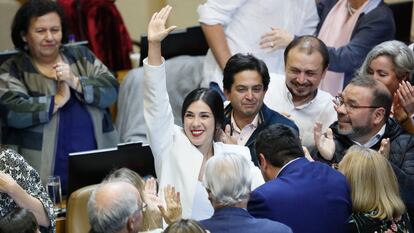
[401,157]
[307,196]
[267,117]
[229,219]
[371,29]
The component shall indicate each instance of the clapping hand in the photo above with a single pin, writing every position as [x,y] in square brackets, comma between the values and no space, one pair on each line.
[324,143]
[173,211]
[385,147]
[226,137]
[405,95]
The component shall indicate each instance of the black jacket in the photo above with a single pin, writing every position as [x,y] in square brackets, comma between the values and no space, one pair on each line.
[401,157]
[267,117]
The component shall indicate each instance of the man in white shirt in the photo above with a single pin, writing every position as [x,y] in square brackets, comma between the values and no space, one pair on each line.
[251,26]
[230,27]
[297,94]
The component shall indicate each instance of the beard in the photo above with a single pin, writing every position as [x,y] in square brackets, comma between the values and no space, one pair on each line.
[355,132]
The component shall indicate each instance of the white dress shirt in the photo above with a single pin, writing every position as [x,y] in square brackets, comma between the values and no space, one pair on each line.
[319,109]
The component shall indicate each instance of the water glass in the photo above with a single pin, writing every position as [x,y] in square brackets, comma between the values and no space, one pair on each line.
[54,190]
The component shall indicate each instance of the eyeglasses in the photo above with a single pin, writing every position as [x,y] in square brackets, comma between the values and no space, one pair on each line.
[339,101]
[143,207]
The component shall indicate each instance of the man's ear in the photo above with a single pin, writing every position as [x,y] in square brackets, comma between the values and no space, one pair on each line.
[379,115]
[262,161]
[130,224]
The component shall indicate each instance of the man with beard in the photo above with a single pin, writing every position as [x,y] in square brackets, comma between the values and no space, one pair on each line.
[297,94]
[363,110]
[245,82]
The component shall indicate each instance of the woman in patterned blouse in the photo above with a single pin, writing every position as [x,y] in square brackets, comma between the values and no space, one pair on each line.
[376,202]
[20,186]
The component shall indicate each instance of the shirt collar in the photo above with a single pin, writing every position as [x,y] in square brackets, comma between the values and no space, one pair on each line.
[289,97]
[286,165]
[253,124]
[372,4]
[373,140]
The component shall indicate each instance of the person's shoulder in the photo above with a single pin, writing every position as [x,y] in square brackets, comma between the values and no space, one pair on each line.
[267,225]
[382,12]
[220,148]
[324,97]
[9,155]
[78,51]
[273,117]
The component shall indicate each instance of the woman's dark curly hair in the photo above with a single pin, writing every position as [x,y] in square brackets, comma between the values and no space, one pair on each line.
[33,9]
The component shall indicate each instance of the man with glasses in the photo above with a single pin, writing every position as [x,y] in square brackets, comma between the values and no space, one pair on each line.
[297,94]
[363,110]
[115,206]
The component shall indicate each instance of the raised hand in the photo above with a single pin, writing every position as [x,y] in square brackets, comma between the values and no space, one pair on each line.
[385,147]
[153,201]
[324,143]
[156,27]
[150,192]
[172,199]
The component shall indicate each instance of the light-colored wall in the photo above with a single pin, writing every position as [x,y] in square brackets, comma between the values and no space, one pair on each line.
[136,13]
[8,9]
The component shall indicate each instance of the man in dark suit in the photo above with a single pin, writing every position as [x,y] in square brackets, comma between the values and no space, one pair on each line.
[227,180]
[307,196]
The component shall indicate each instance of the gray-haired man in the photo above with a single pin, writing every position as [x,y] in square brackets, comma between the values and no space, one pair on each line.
[115,207]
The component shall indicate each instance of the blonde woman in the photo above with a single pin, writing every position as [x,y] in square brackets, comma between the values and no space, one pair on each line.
[376,201]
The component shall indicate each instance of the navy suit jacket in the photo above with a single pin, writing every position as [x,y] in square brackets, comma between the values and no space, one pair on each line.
[267,117]
[306,196]
[230,219]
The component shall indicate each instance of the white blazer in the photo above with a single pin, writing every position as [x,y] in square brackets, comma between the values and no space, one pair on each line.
[177,160]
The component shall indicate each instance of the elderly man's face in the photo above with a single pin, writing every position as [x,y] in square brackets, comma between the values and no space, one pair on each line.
[355,112]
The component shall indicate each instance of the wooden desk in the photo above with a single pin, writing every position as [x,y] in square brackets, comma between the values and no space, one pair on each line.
[60,224]
[61,221]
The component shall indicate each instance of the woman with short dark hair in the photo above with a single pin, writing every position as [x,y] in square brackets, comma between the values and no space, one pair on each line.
[53,98]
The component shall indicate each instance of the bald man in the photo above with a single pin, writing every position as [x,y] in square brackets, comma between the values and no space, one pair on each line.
[115,207]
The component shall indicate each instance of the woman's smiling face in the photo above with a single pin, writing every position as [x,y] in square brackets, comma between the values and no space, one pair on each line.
[199,124]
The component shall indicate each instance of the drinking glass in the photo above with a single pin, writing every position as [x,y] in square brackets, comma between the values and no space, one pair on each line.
[54,190]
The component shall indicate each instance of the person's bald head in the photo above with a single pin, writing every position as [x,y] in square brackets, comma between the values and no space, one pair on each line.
[115,207]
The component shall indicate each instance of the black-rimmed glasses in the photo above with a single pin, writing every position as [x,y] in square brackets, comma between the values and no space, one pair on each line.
[339,101]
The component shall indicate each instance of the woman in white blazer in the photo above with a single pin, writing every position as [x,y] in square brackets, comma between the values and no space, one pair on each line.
[179,153]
